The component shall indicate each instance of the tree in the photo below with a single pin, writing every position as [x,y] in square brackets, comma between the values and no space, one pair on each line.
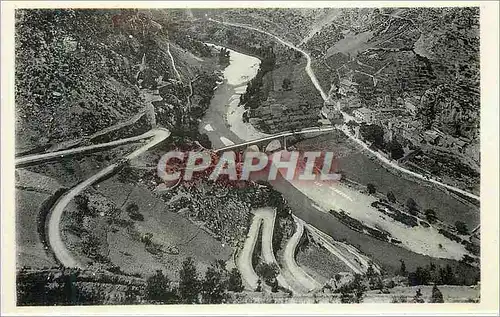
[446,276]
[421,276]
[147,239]
[430,215]
[205,141]
[373,133]
[352,292]
[189,284]
[224,55]
[268,272]
[259,286]
[461,228]
[287,84]
[90,245]
[214,285]
[371,188]
[158,288]
[412,205]
[370,272]
[418,296]
[352,124]
[131,294]
[391,197]
[40,288]
[437,296]
[402,270]
[396,150]
[132,208]
[235,283]
[276,200]
[338,277]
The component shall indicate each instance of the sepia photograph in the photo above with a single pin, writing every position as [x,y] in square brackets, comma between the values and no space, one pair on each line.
[193,155]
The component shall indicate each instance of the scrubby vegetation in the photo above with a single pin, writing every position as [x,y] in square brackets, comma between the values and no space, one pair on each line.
[89,67]
[440,275]
[77,287]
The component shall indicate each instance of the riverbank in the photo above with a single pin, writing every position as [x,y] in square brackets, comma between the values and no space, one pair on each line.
[383,253]
[303,207]
[222,121]
[448,208]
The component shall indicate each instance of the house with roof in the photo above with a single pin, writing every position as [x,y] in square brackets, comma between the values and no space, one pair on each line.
[348,91]
[411,105]
[365,115]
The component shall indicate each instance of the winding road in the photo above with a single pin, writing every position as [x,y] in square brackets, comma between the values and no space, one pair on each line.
[316,84]
[290,263]
[264,217]
[268,216]
[37,158]
[308,67]
[244,259]
[62,254]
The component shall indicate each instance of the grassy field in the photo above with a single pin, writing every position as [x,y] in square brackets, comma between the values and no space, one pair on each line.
[29,249]
[168,229]
[451,294]
[319,263]
[34,193]
[76,168]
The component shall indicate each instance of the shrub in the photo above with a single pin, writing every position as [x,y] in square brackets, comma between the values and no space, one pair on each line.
[371,188]
[430,215]
[158,288]
[235,283]
[391,197]
[399,299]
[268,272]
[189,284]
[352,292]
[136,216]
[132,208]
[411,204]
[437,296]
[461,228]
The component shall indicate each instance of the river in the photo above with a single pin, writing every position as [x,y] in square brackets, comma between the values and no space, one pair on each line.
[222,123]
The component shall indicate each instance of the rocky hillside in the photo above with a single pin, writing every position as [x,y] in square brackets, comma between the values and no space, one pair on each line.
[281,96]
[427,56]
[79,71]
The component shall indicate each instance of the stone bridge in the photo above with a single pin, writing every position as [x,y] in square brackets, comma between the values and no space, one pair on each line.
[276,141]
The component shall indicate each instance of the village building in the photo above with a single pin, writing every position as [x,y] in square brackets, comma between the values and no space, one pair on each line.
[364,115]
[348,91]
[432,137]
